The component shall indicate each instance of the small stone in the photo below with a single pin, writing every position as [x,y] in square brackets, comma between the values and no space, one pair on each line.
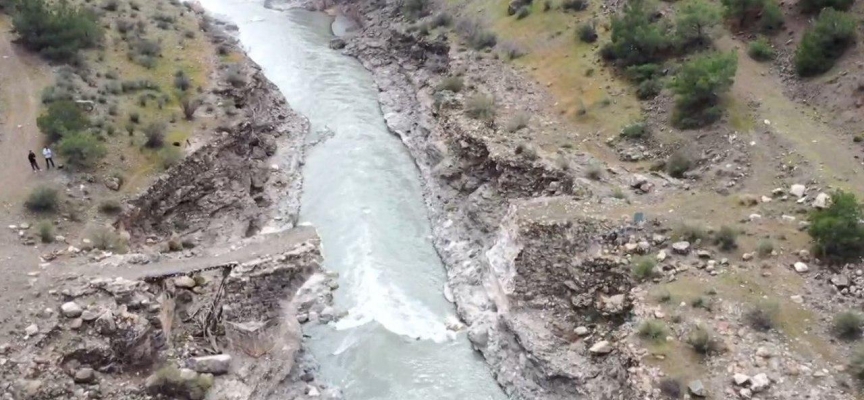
[801,267]
[797,299]
[681,247]
[703,254]
[216,365]
[85,375]
[184,282]
[840,280]
[31,330]
[740,379]
[76,324]
[581,331]
[105,324]
[747,256]
[755,217]
[822,200]
[661,255]
[71,310]
[745,393]
[601,347]
[797,190]
[696,388]
[759,383]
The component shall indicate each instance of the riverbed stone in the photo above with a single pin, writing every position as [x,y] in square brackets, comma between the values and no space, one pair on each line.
[217,365]
[602,347]
[681,247]
[696,388]
[184,282]
[71,310]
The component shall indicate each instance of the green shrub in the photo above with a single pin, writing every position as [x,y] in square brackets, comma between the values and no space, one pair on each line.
[701,302]
[856,364]
[182,81]
[637,37]
[62,118]
[812,6]
[169,157]
[106,239]
[414,9]
[511,51]
[57,30]
[702,341]
[643,268]
[43,199]
[517,122]
[765,248]
[451,83]
[653,330]
[837,233]
[830,36]
[472,32]
[110,206]
[441,20]
[480,107]
[848,325]
[574,5]
[772,17]
[762,317]
[699,85]
[690,232]
[678,163]
[155,135]
[693,22]
[760,50]
[81,150]
[746,12]
[587,32]
[649,89]
[636,130]
[594,172]
[726,238]
[45,230]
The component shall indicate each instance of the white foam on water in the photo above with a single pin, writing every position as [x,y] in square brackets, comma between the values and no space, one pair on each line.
[382,302]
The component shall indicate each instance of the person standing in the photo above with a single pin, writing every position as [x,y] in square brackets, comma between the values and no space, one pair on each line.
[33,164]
[49,157]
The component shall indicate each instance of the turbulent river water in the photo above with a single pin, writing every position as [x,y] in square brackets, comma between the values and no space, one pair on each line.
[362,192]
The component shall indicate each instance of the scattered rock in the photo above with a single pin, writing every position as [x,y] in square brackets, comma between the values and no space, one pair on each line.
[801,267]
[336,44]
[696,388]
[31,330]
[184,282]
[85,375]
[740,379]
[601,347]
[581,331]
[840,280]
[71,310]
[797,190]
[759,383]
[661,255]
[822,200]
[216,365]
[681,247]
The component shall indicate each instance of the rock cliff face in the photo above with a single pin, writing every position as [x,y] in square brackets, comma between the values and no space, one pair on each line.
[523,281]
[227,187]
[111,333]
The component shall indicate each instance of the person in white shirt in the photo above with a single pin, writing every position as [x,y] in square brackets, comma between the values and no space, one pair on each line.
[49,157]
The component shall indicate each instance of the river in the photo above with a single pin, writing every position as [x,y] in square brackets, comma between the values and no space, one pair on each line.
[362,192]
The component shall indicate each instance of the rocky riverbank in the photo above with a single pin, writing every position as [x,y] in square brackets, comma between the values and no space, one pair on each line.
[497,255]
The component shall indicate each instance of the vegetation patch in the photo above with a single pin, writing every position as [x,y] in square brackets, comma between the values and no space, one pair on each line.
[43,199]
[653,330]
[56,30]
[837,233]
[699,85]
[761,50]
[832,33]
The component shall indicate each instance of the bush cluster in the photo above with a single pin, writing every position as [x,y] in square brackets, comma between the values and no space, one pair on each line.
[765,14]
[81,149]
[57,30]
[830,36]
[473,33]
[699,85]
[42,199]
[837,232]
[760,50]
[62,118]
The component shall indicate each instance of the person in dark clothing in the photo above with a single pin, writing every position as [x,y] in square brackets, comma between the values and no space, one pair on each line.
[33,164]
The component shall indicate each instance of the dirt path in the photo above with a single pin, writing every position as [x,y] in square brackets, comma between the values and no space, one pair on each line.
[22,79]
